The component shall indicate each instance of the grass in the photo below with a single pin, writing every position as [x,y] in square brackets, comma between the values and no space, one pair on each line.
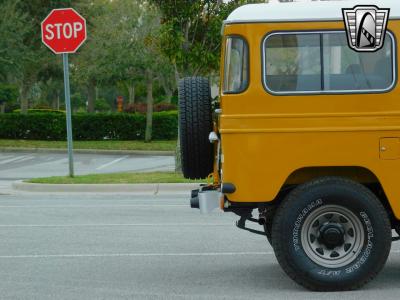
[92,145]
[118,178]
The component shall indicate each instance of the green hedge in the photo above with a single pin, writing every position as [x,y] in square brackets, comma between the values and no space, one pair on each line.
[51,126]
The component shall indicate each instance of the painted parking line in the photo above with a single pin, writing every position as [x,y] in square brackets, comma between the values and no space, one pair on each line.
[14,159]
[58,161]
[112,162]
[25,159]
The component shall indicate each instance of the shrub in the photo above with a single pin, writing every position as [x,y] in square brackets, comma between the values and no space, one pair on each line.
[51,126]
[142,107]
[41,110]
[8,93]
[164,107]
[101,105]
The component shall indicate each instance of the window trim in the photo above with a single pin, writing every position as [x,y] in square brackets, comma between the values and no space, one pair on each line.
[245,88]
[335,92]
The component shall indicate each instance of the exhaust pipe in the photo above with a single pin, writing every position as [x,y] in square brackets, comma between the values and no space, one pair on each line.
[194,199]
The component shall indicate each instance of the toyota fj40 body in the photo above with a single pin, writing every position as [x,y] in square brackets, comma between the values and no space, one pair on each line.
[307,132]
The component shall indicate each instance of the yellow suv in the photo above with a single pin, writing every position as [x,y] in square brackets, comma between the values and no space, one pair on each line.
[306,134]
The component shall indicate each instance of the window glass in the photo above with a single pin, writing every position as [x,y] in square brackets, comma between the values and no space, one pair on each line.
[323,62]
[346,69]
[236,65]
[293,62]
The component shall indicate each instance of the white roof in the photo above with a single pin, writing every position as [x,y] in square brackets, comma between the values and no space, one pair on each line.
[305,11]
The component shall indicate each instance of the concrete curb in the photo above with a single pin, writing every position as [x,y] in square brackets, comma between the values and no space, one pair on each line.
[148,189]
[88,151]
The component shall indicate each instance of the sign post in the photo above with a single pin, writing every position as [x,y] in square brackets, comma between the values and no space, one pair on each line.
[69,117]
[64,31]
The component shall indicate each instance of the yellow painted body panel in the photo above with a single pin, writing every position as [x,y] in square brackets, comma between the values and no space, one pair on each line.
[266,138]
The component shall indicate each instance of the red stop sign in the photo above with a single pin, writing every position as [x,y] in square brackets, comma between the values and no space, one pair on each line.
[64,30]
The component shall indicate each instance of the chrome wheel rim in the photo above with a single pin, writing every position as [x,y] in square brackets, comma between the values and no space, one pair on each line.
[332,236]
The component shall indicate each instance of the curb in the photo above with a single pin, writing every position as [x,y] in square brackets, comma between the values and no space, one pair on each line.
[147,189]
[89,151]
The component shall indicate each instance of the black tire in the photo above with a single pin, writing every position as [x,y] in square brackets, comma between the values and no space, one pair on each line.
[268,232]
[294,225]
[195,125]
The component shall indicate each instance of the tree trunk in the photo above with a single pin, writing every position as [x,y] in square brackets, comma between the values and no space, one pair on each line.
[167,90]
[91,96]
[176,73]
[55,101]
[168,96]
[2,108]
[149,114]
[178,159]
[24,98]
[131,92]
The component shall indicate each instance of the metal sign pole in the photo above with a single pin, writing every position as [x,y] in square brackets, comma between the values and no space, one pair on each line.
[69,119]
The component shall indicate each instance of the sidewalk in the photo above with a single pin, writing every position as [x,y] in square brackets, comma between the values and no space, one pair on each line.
[142,189]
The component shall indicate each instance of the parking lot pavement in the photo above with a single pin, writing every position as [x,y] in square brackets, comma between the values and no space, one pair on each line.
[120,247]
[15,166]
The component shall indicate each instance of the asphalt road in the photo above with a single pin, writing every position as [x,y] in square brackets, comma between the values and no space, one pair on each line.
[127,247]
[16,166]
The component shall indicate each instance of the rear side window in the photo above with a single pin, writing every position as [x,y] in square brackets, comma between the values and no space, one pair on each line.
[236,75]
[323,63]
[293,63]
[345,69]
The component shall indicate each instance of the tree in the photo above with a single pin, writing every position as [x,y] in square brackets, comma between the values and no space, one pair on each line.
[36,56]
[124,48]
[89,67]
[13,31]
[191,35]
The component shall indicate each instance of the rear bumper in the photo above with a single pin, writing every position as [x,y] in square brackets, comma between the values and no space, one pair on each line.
[205,199]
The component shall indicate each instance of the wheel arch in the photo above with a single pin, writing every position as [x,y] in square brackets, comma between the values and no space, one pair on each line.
[358,174]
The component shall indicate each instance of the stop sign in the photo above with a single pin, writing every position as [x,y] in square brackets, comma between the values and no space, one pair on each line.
[64,30]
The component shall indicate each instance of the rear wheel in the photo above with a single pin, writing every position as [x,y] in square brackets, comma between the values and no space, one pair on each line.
[195,125]
[331,234]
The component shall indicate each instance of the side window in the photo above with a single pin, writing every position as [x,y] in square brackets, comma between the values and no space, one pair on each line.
[293,63]
[236,75]
[345,69]
[322,62]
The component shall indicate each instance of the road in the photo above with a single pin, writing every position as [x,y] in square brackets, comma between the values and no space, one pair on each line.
[17,166]
[131,247]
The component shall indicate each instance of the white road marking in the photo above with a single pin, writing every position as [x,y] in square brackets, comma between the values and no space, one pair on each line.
[111,255]
[112,225]
[12,160]
[135,255]
[95,206]
[112,162]
[200,254]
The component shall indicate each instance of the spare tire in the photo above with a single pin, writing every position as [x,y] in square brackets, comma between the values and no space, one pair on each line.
[195,121]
